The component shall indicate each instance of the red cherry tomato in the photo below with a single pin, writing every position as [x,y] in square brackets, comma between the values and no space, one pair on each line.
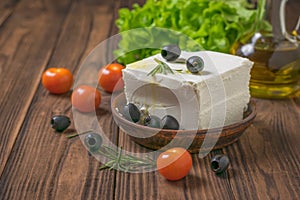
[57,80]
[174,164]
[110,77]
[86,98]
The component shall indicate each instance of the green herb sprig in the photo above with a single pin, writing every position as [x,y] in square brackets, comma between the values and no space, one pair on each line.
[162,68]
[78,134]
[118,160]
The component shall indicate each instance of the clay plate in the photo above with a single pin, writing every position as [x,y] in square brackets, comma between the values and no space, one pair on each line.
[158,138]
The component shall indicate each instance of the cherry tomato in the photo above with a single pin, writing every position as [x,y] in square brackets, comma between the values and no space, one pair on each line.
[86,98]
[110,77]
[57,80]
[174,164]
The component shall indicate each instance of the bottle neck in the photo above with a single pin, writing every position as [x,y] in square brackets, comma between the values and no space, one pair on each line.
[277,17]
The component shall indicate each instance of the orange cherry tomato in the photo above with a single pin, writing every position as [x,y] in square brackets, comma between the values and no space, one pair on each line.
[57,80]
[110,77]
[86,98]
[174,164]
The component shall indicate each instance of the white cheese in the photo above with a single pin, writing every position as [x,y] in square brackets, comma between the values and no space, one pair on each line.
[193,99]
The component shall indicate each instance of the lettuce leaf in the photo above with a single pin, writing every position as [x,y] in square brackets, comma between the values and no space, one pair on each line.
[214,24]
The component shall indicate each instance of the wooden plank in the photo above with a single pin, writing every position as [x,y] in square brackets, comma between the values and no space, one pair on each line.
[135,185]
[6,9]
[26,44]
[266,159]
[200,183]
[264,164]
[45,165]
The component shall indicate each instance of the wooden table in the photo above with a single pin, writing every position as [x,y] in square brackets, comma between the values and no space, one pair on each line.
[37,163]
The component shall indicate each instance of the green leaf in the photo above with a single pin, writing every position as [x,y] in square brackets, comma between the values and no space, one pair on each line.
[161,68]
[214,24]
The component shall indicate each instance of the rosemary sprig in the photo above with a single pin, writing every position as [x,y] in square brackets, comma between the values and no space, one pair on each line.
[77,134]
[161,67]
[120,161]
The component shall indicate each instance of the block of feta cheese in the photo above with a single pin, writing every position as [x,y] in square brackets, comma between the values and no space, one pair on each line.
[215,97]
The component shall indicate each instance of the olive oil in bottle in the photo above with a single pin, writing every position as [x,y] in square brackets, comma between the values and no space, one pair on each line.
[276,56]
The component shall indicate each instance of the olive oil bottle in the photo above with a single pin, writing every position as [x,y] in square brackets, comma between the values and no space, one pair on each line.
[276,56]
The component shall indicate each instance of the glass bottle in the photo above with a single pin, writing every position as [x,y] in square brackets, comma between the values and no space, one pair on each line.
[276,56]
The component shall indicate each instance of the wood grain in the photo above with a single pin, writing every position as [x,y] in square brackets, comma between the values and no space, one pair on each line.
[45,165]
[6,9]
[265,157]
[37,163]
[263,163]
[26,47]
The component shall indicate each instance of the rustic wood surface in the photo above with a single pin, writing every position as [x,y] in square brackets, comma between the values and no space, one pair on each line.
[36,163]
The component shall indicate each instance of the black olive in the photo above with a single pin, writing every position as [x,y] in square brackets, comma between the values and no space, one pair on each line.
[152,121]
[60,122]
[169,122]
[170,52]
[219,163]
[195,64]
[93,141]
[131,112]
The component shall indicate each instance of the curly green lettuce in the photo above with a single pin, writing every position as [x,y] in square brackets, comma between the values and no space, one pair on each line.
[213,24]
